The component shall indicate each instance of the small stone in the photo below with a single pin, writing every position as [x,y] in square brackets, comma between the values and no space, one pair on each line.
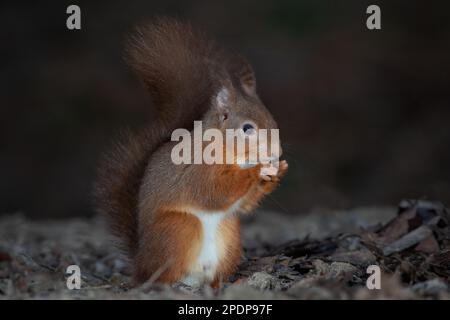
[262,281]
[358,257]
[338,269]
[430,287]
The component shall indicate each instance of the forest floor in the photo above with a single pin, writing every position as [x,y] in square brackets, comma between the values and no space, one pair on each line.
[320,255]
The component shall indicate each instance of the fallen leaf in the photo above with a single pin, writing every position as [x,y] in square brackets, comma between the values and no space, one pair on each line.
[408,240]
[429,245]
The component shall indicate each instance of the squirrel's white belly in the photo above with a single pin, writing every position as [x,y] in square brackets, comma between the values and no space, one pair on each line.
[204,267]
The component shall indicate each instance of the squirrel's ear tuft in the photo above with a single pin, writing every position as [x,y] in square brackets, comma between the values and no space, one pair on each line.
[243,73]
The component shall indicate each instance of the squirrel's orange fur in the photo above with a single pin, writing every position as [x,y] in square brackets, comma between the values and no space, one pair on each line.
[160,210]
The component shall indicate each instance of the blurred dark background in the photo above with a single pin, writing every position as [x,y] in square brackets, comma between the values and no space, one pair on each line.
[364,114]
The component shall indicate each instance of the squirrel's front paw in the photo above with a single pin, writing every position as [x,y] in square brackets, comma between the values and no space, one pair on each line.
[272,173]
[283,168]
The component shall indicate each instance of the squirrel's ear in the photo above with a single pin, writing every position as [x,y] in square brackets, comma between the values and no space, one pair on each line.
[243,71]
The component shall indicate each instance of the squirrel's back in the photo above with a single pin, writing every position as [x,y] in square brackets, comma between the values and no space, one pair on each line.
[182,69]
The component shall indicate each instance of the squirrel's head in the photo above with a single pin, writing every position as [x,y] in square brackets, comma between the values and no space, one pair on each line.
[237,106]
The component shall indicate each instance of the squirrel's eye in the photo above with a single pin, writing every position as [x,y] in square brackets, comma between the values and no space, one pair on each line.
[248,128]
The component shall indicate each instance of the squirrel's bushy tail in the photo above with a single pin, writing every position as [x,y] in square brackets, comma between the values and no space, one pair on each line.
[179,65]
[180,68]
[117,187]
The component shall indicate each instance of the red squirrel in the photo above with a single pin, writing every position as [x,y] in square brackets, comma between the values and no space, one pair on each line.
[179,223]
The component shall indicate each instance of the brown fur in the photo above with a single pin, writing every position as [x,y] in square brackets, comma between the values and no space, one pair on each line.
[230,232]
[179,66]
[119,181]
[172,247]
[148,199]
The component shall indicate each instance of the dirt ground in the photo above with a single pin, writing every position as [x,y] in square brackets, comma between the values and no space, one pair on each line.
[320,255]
